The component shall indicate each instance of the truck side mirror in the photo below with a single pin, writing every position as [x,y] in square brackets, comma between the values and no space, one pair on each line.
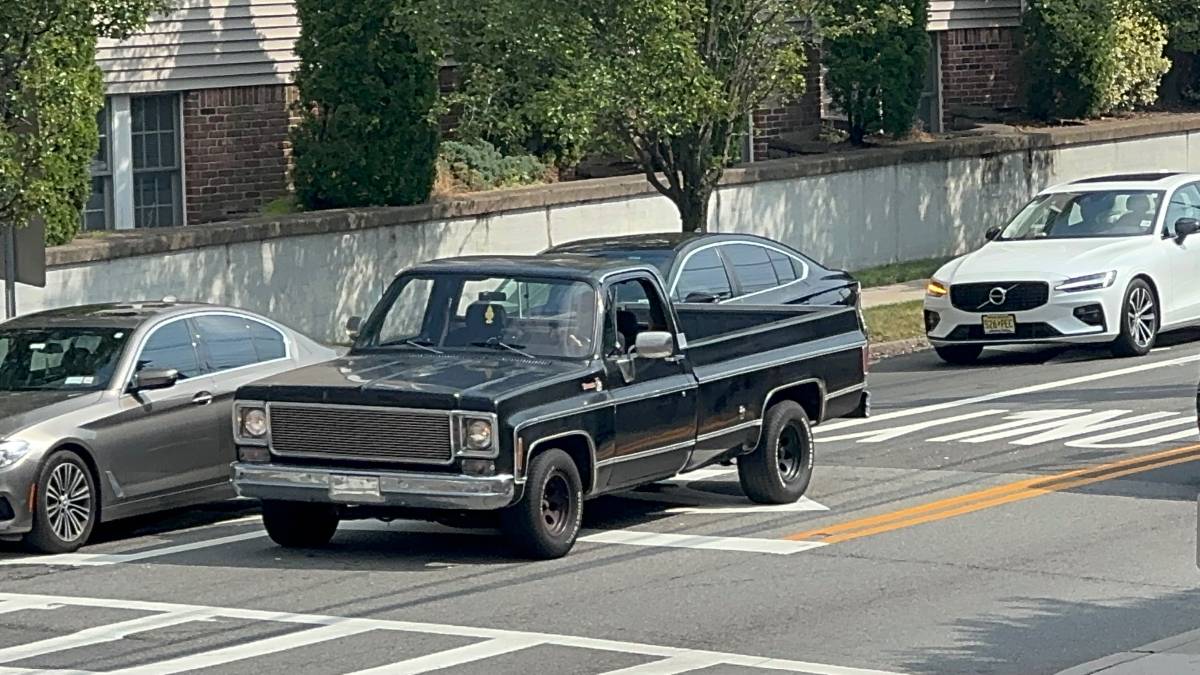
[655,344]
[353,324]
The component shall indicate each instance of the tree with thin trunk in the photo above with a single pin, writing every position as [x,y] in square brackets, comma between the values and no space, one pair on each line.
[50,92]
[671,83]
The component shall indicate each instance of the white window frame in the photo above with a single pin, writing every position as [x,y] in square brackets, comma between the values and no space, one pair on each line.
[121,214]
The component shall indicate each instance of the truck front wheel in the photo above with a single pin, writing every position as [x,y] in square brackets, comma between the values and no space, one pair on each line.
[299,524]
[780,468]
[546,521]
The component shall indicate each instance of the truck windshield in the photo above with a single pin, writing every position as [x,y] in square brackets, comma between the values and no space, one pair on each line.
[68,358]
[538,317]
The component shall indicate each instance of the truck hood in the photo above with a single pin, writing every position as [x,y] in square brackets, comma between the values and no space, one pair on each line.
[1043,259]
[23,409]
[412,379]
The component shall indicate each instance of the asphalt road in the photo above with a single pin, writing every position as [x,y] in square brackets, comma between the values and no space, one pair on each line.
[1025,515]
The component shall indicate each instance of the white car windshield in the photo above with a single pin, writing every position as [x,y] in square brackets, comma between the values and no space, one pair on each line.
[1070,215]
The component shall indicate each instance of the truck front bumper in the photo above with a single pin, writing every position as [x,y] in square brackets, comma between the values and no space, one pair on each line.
[453,492]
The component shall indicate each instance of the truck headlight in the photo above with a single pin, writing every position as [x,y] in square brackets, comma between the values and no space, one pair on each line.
[477,436]
[251,424]
[1090,282]
[11,451]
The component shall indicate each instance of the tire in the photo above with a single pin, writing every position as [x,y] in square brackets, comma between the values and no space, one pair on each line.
[545,523]
[1140,321]
[66,505]
[959,355]
[300,524]
[779,469]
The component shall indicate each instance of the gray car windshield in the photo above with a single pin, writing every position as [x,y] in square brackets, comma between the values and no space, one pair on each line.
[1071,215]
[45,359]
[538,317]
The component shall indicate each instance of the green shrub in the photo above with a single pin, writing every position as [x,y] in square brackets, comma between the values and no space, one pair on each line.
[875,52]
[1085,58]
[1140,64]
[480,166]
[366,135]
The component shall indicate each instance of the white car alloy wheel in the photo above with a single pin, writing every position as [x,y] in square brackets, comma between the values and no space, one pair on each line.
[1142,317]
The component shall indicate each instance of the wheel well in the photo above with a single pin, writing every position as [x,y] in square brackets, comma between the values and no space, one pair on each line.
[579,447]
[1153,289]
[810,395]
[93,469]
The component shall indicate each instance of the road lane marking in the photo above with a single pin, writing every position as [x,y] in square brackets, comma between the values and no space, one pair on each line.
[702,542]
[1020,391]
[892,433]
[995,496]
[90,637]
[454,657]
[488,635]
[102,559]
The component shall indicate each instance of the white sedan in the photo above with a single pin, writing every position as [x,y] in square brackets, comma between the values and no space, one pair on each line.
[1114,259]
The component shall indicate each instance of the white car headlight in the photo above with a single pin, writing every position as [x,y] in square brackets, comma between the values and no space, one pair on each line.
[1090,282]
[11,451]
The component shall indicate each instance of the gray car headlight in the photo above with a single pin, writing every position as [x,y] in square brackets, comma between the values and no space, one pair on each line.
[476,436]
[12,451]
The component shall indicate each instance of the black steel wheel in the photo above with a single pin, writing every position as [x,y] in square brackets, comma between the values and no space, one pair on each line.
[66,505]
[545,523]
[779,469]
[300,524]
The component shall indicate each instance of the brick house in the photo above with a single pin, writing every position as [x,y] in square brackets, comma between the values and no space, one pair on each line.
[194,127]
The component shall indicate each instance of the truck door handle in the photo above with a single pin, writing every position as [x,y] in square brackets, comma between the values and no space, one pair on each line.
[203,398]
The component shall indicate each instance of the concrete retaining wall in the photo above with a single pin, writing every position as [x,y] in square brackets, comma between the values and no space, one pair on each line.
[850,210]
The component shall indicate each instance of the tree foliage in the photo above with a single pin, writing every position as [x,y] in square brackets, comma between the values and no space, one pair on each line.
[50,92]
[671,83]
[876,53]
[367,88]
[1086,58]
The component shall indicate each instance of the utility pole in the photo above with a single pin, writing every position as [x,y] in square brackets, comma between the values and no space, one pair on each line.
[10,272]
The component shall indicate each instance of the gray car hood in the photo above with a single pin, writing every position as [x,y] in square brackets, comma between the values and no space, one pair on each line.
[22,409]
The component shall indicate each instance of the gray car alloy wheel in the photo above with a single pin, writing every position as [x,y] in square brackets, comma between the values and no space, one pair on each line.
[68,502]
[1142,317]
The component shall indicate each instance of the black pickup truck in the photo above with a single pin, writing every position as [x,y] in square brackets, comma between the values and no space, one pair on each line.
[518,387]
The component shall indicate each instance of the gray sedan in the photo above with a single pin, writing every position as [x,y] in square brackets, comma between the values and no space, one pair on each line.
[110,411]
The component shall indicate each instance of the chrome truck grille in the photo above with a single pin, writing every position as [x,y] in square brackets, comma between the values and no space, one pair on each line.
[359,432]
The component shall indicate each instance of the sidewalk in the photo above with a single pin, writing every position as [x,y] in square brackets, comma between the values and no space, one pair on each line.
[1172,656]
[890,295]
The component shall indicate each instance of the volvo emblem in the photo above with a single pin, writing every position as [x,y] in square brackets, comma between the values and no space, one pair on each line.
[997,295]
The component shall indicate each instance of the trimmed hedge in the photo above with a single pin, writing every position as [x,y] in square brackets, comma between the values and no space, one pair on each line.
[480,166]
[366,135]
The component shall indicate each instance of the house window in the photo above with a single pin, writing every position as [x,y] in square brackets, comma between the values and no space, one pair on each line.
[157,193]
[97,212]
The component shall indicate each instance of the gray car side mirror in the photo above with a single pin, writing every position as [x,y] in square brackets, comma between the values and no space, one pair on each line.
[154,378]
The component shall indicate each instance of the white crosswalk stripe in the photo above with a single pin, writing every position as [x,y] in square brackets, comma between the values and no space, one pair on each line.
[322,629]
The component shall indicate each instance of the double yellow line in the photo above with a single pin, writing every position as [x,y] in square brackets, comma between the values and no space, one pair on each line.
[995,496]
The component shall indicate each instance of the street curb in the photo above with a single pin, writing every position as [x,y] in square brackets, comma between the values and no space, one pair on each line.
[884,350]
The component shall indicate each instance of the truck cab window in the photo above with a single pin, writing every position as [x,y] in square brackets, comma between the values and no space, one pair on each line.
[636,307]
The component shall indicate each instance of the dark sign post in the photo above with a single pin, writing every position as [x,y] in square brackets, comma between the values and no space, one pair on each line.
[24,261]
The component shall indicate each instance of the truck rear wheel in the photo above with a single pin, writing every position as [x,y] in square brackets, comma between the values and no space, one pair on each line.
[780,468]
[300,524]
[545,523]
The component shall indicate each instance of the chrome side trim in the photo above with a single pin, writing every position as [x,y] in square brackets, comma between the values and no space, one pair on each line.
[780,362]
[588,407]
[683,263]
[645,453]
[844,392]
[810,380]
[519,477]
[728,430]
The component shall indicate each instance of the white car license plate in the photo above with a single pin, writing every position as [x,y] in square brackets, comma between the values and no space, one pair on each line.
[999,324]
[354,488]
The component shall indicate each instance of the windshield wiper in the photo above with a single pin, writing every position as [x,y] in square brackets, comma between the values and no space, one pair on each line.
[500,344]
